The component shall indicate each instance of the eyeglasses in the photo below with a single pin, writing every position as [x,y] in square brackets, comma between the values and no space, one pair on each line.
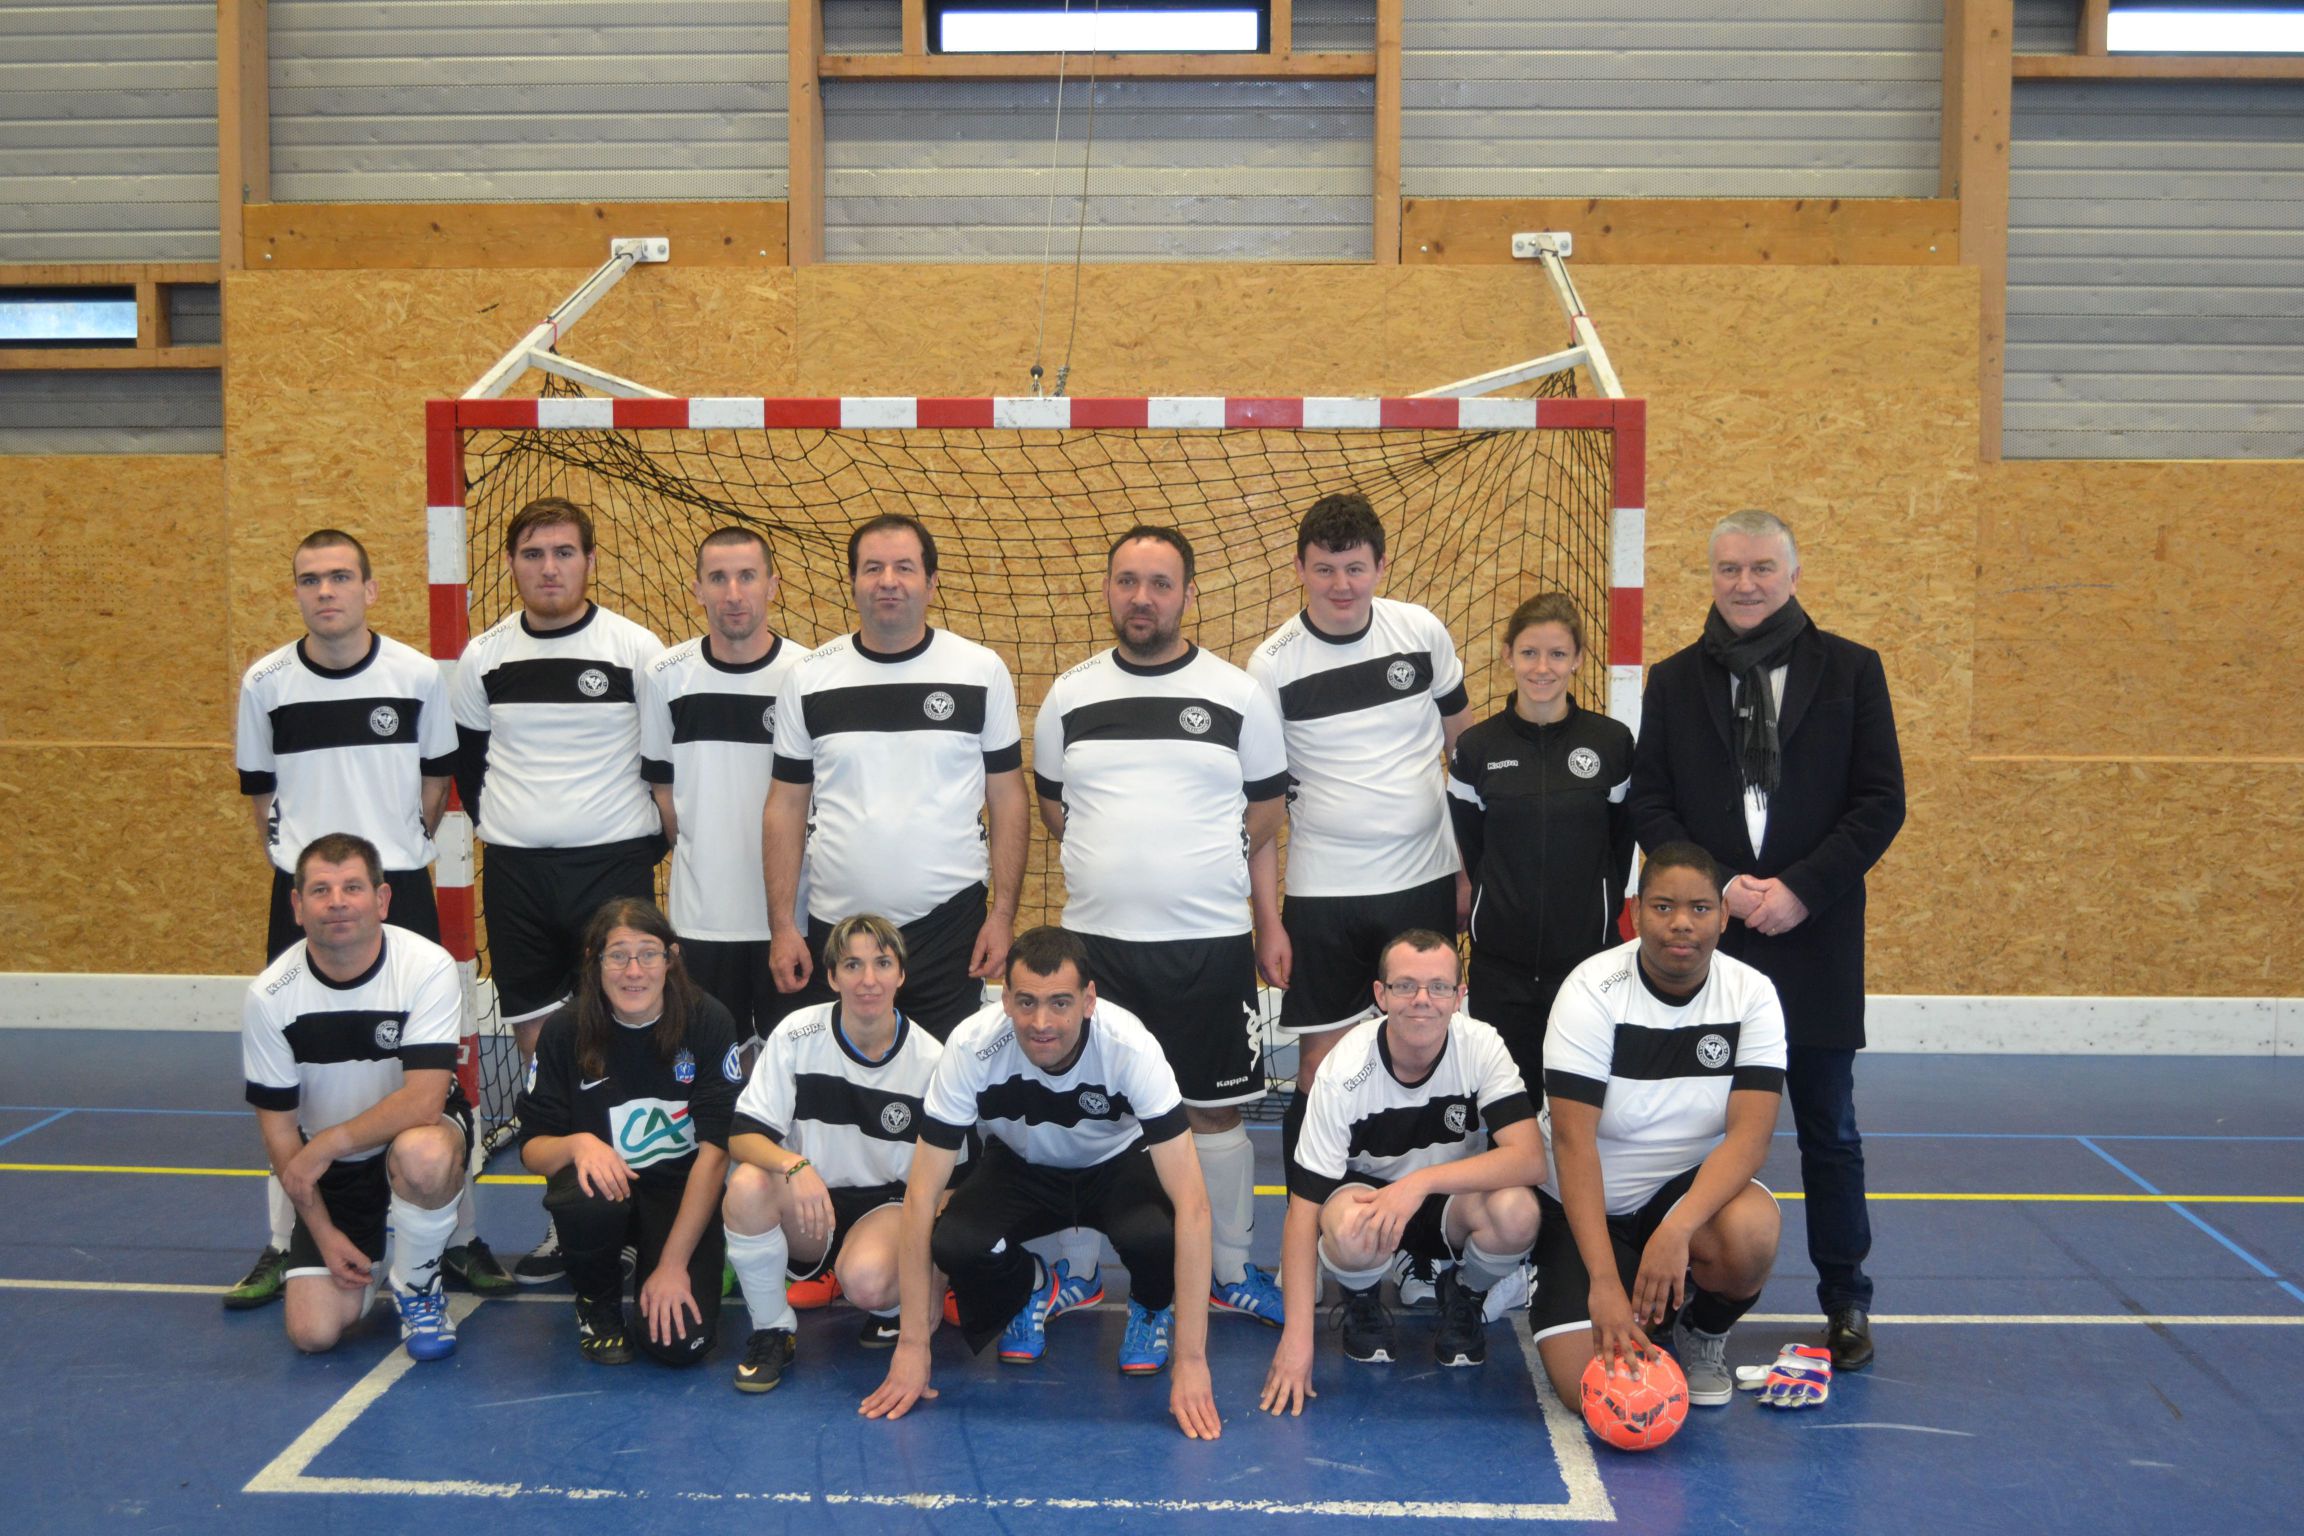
[625,959]
[1404,991]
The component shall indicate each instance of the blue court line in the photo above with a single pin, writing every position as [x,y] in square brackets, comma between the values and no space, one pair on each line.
[107,1109]
[2234,1248]
[36,1125]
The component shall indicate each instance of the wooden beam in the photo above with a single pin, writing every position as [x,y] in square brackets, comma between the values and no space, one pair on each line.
[243,116]
[804,191]
[107,274]
[151,316]
[1107,66]
[1977,55]
[2095,27]
[340,236]
[80,359]
[1679,231]
[1387,187]
[2160,66]
[1283,14]
[916,28]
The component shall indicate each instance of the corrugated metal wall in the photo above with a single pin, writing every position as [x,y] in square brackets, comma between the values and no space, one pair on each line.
[1671,98]
[2156,270]
[2047,26]
[510,100]
[1180,170]
[138,411]
[108,131]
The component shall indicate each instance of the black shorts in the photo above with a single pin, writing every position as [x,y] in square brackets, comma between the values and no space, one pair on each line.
[1338,940]
[358,1195]
[736,972]
[537,901]
[938,992]
[1198,997]
[411,908]
[849,1206]
[1563,1299]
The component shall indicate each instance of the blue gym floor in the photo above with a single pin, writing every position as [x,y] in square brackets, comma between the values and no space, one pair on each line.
[2089,1320]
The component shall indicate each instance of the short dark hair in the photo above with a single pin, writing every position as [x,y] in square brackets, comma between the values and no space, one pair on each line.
[543,512]
[340,848]
[1338,521]
[1045,950]
[1168,536]
[1418,941]
[891,522]
[1545,608]
[720,538]
[336,538]
[1680,856]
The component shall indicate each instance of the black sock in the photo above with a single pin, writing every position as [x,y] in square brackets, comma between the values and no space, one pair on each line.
[1709,1312]
[1291,1127]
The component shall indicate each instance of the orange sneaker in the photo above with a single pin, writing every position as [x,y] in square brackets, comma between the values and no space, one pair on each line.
[951,1307]
[806,1295]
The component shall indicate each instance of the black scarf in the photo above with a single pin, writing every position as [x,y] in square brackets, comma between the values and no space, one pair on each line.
[1748,658]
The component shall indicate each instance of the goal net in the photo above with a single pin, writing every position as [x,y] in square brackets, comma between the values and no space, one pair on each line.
[1484,502]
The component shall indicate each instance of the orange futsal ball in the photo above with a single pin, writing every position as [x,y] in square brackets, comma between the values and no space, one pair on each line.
[1639,1405]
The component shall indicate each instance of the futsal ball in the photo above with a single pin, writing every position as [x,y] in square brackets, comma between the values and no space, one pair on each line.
[1638,1406]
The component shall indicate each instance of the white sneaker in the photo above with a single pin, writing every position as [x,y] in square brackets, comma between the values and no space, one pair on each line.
[1416,1279]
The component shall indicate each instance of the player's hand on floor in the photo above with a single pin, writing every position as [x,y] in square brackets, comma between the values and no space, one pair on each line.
[1799,1377]
[1289,1382]
[905,1385]
[1192,1399]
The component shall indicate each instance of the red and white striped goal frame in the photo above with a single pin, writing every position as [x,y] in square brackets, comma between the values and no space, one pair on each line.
[447,421]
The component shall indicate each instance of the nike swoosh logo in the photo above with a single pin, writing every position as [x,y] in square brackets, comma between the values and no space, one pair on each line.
[588,1087]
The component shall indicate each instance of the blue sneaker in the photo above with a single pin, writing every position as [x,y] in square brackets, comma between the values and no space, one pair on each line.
[1025,1339]
[1144,1345]
[1255,1294]
[425,1326]
[1072,1292]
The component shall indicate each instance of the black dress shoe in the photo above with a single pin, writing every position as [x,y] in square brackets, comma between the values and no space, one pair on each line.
[1848,1333]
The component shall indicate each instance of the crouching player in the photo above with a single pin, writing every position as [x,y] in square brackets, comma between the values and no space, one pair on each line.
[1662,1067]
[1418,1137]
[822,1143]
[348,1042]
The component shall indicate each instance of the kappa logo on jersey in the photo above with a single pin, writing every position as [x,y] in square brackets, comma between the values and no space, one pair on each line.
[592,682]
[1094,1103]
[938,705]
[684,1068]
[652,1131]
[1456,1119]
[1401,675]
[896,1119]
[1195,719]
[1509,762]
[388,1035]
[384,720]
[1584,763]
[732,1064]
[1712,1051]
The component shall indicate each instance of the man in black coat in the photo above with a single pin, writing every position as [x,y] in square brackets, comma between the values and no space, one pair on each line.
[1772,744]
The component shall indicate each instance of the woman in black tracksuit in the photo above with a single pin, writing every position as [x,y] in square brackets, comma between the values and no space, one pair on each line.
[1536,792]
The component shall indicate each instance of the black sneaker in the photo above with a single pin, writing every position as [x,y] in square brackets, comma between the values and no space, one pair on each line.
[1369,1335]
[600,1330]
[1463,1335]
[473,1266]
[767,1355]
[263,1282]
[879,1332]
[543,1265]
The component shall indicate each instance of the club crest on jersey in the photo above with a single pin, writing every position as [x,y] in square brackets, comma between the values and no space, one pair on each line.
[1094,1103]
[592,682]
[937,706]
[1584,763]
[1195,720]
[1401,675]
[896,1119]
[1456,1119]
[383,719]
[1712,1051]
[732,1064]
[768,718]
[684,1067]
[388,1035]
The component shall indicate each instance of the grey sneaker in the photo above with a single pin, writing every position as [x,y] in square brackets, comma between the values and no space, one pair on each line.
[1703,1360]
[543,1264]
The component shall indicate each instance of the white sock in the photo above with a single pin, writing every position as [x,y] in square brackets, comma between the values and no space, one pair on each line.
[467,1220]
[1354,1279]
[1480,1270]
[418,1235]
[759,1264]
[1228,1163]
[281,1210]
[1081,1250]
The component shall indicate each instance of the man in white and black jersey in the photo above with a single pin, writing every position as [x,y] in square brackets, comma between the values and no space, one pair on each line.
[346,730]
[707,734]
[1420,1138]
[822,1144]
[1161,771]
[348,1044]
[1371,698]
[1082,1122]
[1663,1065]
[898,737]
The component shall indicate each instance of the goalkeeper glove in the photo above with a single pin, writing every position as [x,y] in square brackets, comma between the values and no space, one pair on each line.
[1799,1377]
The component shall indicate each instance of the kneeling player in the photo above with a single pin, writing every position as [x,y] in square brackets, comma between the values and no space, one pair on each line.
[822,1143]
[1083,1125]
[349,1046]
[626,1115]
[1418,1137]
[1662,1067]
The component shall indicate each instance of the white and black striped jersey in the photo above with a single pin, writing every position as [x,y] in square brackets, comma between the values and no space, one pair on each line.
[331,1050]
[550,725]
[654,1113]
[1659,1068]
[1155,767]
[1367,801]
[708,729]
[1363,1125]
[895,750]
[1118,1091]
[854,1120]
[345,750]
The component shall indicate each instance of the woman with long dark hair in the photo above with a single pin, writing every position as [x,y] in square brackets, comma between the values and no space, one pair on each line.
[626,1115]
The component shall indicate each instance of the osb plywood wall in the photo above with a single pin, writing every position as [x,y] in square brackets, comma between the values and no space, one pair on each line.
[2088,660]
